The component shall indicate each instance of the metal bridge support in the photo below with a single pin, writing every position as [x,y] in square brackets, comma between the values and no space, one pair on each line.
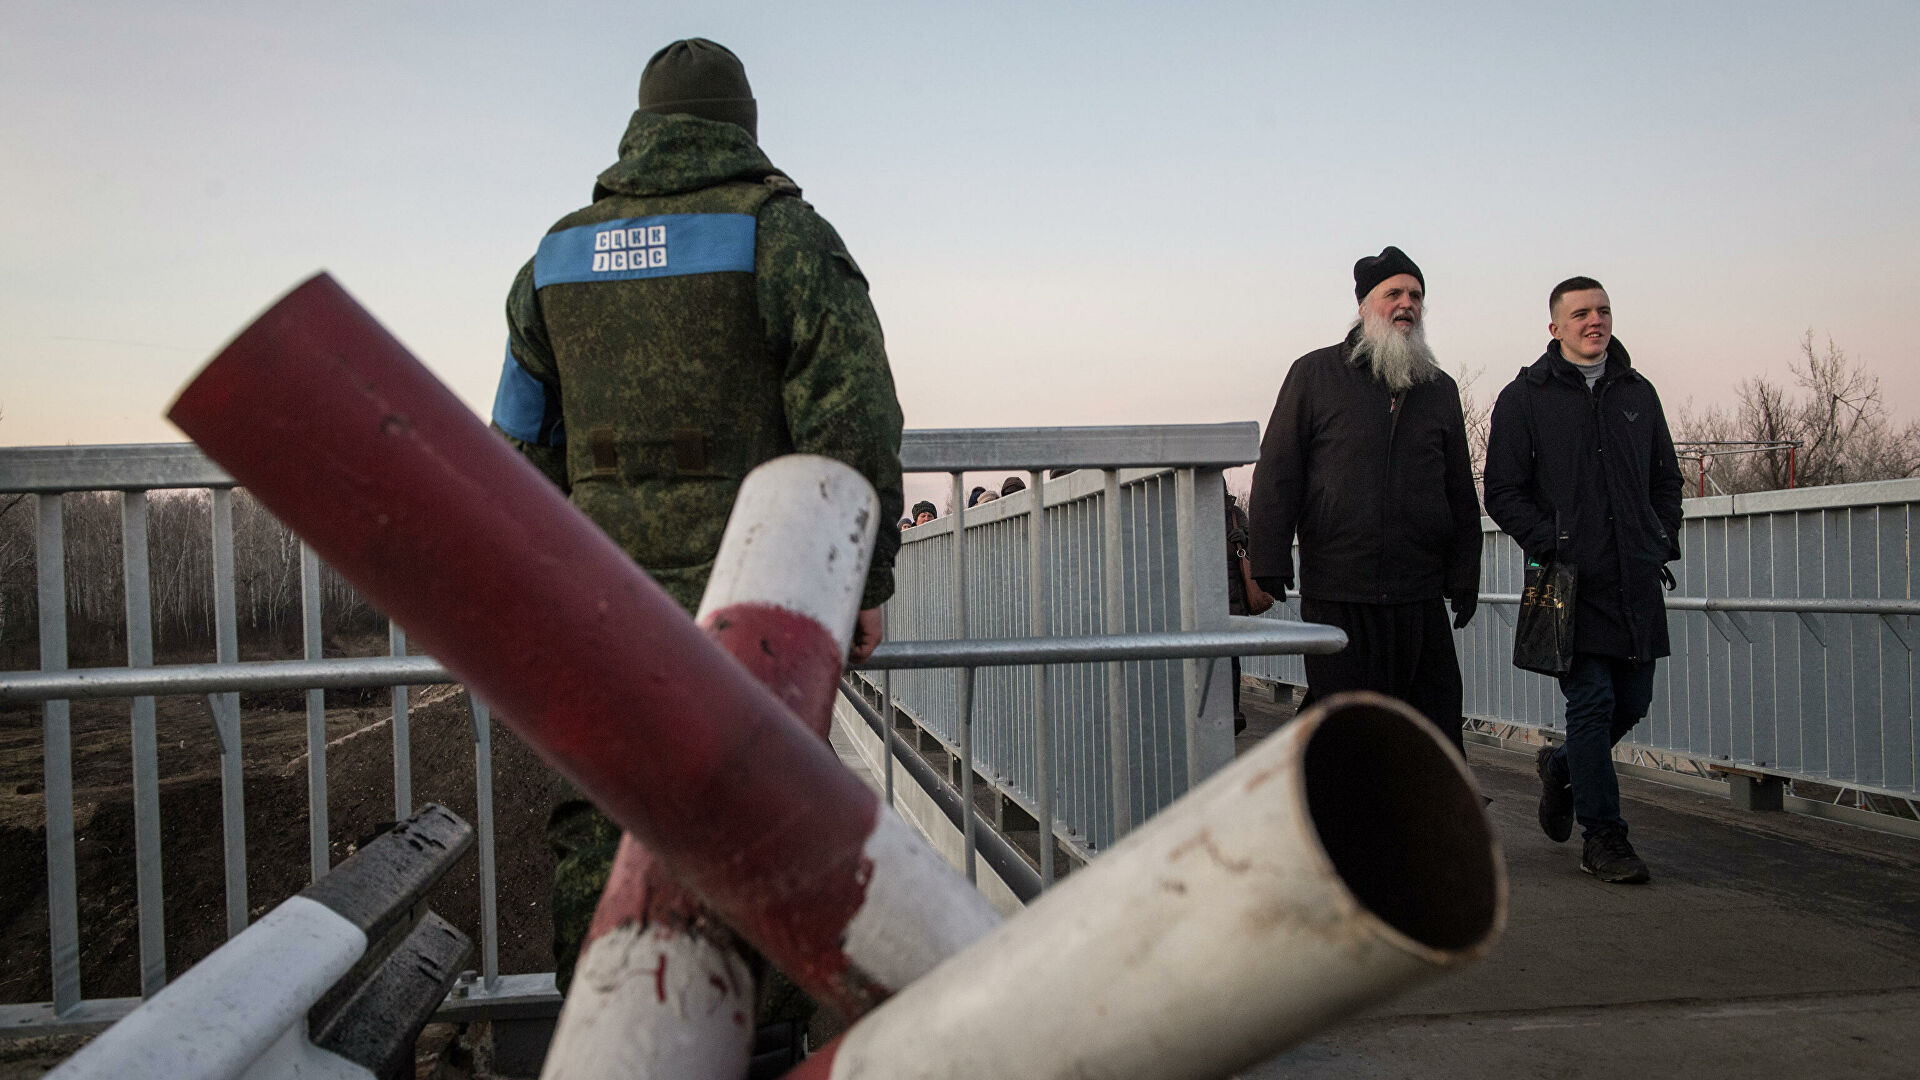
[1756,791]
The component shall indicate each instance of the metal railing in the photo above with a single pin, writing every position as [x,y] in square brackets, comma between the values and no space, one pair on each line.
[1161,565]
[1793,629]
[1086,744]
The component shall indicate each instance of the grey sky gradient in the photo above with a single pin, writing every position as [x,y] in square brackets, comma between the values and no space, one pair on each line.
[1070,213]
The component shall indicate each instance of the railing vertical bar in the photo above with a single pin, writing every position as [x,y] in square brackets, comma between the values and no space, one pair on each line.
[893,733]
[317,855]
[146,754]
[966,674]
[226,714]
[1039,625]
[63,905]
[483,804]
[1114,615]
[1192,671]
[402,734]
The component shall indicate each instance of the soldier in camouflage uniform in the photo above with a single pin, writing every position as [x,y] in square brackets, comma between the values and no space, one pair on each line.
[696,320]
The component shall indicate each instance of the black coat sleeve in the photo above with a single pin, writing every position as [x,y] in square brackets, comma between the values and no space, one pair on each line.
[1280,483]
[1463,572]
[1510,453]
[1665,485]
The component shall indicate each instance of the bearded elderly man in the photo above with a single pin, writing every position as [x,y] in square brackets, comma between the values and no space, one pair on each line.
[1365,459]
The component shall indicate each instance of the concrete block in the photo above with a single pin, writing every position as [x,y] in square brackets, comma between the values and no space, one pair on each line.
[1750,792]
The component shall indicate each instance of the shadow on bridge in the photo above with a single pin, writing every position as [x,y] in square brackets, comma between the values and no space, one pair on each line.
[1767,944]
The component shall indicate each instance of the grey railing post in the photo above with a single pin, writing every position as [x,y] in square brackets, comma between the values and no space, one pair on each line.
[63,905]
[402,737]
[886,700]
[226,714]
[146,754]
[317,854]
[1038,625]
[1200,509]
[965,674]
[483,815]
[1113,610]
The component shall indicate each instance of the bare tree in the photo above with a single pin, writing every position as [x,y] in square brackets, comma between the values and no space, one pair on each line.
[1832,407]
[1478,413]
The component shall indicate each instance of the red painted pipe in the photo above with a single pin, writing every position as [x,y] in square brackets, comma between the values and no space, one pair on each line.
[664,987]
[344,436]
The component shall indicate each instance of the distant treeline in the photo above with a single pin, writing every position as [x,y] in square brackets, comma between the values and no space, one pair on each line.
[266,558]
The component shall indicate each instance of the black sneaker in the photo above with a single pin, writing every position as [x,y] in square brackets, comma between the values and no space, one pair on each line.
[1556,798]
[1609,857]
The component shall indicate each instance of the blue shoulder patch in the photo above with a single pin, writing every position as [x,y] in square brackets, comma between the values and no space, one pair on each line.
[522,408]
[665,245]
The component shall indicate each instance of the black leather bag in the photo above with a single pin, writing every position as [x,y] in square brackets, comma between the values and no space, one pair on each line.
[1543,634]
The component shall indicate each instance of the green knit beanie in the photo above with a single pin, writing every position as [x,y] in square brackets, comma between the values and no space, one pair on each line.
[701,78]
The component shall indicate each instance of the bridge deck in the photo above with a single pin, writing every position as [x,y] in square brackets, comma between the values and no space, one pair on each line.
[1767,944]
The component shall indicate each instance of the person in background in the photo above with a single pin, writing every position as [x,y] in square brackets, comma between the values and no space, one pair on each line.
[1244,595]
[923,512]
[1580,468]
[1011,485]
[1365,459]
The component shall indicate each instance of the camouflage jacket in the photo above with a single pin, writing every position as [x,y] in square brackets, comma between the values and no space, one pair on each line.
[696,320]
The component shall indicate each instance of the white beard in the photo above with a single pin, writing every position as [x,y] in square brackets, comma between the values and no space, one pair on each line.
[1400,360]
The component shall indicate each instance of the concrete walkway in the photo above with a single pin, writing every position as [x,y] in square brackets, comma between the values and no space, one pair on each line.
[1766,945]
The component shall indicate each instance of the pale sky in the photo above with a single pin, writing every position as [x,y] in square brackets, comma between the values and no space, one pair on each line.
[1070,213]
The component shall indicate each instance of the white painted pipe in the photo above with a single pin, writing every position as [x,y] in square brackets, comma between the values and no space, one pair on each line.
[1346,858]
[241,1012]
[662,989]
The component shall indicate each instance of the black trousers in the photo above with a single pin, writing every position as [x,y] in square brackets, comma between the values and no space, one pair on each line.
[1404,650]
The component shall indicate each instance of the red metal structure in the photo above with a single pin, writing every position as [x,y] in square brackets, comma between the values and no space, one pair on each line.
[344,436]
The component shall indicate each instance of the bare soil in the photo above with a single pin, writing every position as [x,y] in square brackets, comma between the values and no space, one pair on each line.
[273,738]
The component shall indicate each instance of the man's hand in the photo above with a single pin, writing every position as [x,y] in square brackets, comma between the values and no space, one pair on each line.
[1463,609]
[867,630]
[1275,588]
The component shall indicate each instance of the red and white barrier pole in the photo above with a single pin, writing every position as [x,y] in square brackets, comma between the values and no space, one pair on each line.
[1344,859]
[344,436]
[662,989]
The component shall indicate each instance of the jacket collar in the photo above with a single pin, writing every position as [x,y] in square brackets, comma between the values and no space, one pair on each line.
[1552,364]
[667,155]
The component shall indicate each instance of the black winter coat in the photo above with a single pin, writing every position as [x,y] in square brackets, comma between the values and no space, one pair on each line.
[1591,476]
[1378,486]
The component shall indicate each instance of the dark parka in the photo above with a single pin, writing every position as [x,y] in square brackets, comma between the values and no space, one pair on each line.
[1591,476]
[1378,486]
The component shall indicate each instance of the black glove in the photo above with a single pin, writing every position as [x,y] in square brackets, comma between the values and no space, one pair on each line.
[1463,608]
[1666,578]
[1275,587]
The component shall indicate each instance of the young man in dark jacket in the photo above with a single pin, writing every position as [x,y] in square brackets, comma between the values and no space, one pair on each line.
[1365,458]
[1580,468]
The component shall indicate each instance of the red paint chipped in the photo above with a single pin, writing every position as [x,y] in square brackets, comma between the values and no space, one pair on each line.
[493,572]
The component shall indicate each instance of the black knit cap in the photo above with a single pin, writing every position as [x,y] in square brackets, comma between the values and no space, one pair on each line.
[1375,269]
[701,78]
[924,507]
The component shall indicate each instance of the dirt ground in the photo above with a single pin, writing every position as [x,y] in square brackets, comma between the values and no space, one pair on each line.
[273,738]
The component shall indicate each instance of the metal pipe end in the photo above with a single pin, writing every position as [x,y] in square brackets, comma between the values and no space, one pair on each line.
[1399,816]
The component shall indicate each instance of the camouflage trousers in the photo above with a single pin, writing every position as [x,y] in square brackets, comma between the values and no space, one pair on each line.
[583,842]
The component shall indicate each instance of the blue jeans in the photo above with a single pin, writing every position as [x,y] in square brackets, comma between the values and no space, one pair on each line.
[1606,696]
